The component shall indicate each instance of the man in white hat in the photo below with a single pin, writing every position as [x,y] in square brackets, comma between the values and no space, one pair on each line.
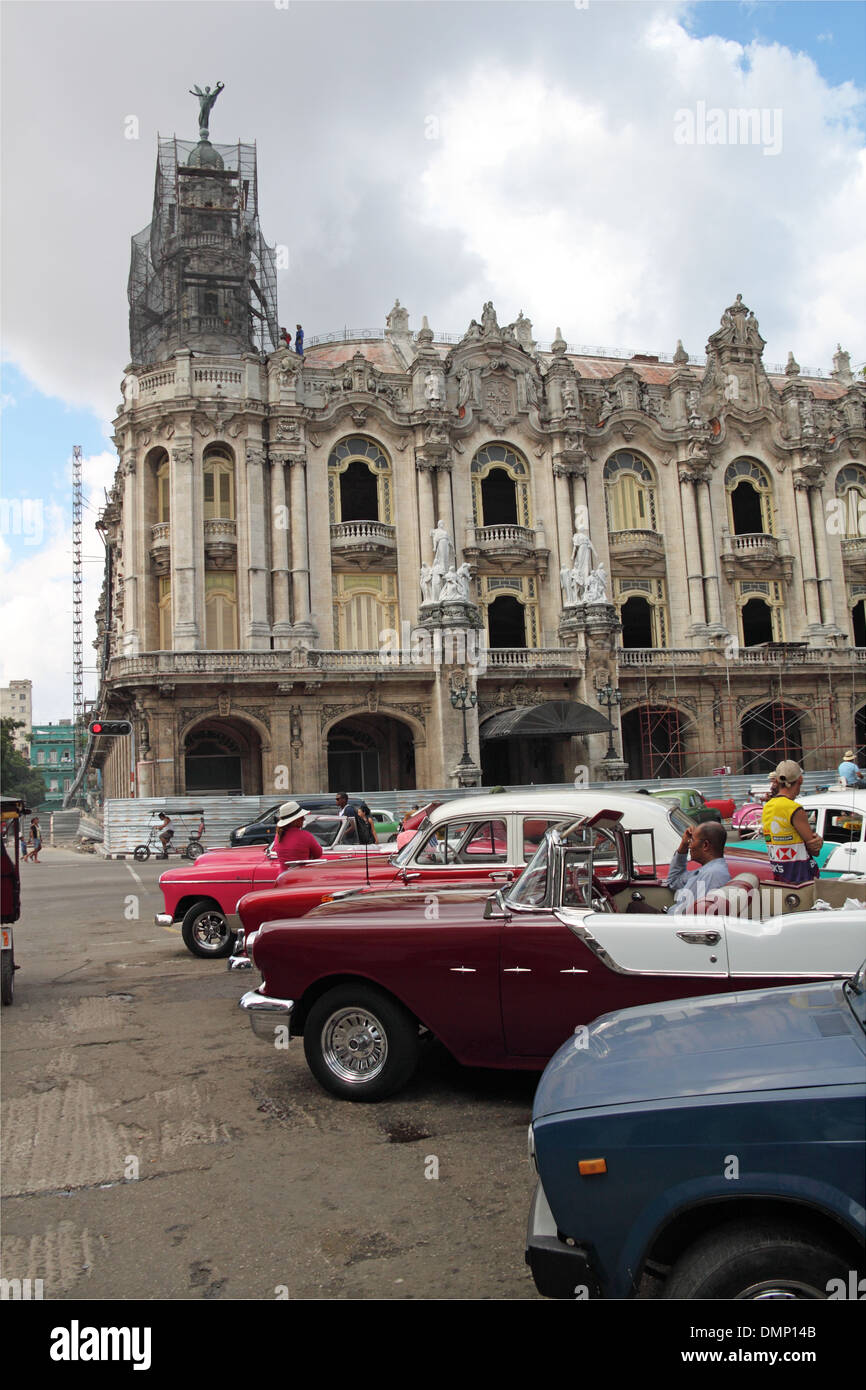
[849,773]
[291,840]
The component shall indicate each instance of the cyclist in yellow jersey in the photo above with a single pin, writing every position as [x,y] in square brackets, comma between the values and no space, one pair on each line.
[791,842]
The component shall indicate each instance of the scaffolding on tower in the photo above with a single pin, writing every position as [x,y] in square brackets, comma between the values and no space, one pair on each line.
[77,598]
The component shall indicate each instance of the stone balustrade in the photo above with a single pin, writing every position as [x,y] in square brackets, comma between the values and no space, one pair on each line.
[360,532]
[505,537]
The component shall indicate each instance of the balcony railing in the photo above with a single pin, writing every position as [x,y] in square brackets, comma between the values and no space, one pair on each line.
[758,544]
[744,656]
[630,540]
[361,533]
[532,658]
[494,538]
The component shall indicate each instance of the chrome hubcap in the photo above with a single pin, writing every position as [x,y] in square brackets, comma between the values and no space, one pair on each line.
[354,1045]
[211,930]
[780,1288]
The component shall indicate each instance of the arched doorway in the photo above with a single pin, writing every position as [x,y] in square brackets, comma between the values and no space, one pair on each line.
[652,742]
[506,622]
[370,752]
[637,623]
[757,622]
[771,733]
[499,499]
[222,756]
[858,618]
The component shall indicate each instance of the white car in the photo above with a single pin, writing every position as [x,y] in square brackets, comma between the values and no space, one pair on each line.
[839,817]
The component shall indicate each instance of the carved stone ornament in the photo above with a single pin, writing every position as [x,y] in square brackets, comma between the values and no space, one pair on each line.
[255,455]
[224,703]
[181,458]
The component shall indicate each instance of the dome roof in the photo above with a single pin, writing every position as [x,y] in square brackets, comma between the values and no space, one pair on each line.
[204,156]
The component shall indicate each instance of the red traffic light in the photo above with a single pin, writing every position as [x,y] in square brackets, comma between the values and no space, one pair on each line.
[110,727]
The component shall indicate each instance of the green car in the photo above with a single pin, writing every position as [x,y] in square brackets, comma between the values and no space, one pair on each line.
[693,804]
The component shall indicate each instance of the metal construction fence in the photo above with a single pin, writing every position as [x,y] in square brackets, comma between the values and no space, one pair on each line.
[126,823]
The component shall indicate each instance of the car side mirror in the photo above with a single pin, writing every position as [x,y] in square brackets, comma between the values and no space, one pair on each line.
[495,901]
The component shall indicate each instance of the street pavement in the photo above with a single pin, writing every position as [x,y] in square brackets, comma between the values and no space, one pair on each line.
[154,1149]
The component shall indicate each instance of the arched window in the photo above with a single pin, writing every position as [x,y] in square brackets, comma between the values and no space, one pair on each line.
[851,492]
[630,493]
[500,487]
[359,481]
[221,610]
[637,622]
[858,618]
[365,606]
[219,486]
[750,499]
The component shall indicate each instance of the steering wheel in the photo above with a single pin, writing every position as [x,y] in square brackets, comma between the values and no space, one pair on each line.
[598,898]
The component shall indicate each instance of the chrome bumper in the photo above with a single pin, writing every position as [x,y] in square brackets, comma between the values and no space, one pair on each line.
[265,1014]
[163,919]
[240,957]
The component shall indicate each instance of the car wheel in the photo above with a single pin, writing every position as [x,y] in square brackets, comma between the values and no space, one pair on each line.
[359,1043]
[756,1261]
[194,849]
[141,852]
[7,977]
[206,932]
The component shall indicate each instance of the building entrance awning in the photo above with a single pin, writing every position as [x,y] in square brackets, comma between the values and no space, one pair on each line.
[556,719]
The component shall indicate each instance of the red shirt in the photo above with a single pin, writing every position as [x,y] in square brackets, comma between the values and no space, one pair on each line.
[296,843]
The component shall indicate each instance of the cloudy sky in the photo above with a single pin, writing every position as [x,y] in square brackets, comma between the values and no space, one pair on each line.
[547,156]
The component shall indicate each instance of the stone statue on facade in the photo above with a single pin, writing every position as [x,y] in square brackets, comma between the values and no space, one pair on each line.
[566,584]
[582,552]
[595,589]
[464,386]
[427,584]
[206,100]
[464,582]
[489,321]
[443,548]
[450,591]
[433,388]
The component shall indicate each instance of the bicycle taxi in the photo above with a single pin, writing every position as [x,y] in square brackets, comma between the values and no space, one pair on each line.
[161,832]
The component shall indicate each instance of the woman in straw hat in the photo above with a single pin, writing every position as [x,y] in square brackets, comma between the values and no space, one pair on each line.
[791,841]
[291,840]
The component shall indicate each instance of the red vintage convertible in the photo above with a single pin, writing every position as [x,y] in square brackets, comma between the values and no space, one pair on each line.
[501,979]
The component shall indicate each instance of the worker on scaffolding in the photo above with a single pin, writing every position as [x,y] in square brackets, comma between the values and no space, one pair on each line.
[286,337]
[299,340]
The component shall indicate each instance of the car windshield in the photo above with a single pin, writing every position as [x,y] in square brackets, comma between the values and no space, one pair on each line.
[679,820]
[324,828]
[404,855]
[531,888]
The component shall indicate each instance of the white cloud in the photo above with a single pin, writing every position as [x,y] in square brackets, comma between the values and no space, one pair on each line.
[585,210]
[37,600]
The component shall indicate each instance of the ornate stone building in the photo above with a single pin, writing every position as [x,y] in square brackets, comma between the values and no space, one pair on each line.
[306,554]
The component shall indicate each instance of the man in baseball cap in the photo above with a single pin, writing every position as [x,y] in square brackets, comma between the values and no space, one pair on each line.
[291,840]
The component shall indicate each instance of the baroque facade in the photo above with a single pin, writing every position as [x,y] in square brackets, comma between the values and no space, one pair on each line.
[308,553]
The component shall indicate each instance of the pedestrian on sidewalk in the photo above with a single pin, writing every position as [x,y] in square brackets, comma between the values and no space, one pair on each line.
[35,839]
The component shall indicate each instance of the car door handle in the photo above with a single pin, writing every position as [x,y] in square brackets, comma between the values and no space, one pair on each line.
[700,938]
[501,878]
[407,877]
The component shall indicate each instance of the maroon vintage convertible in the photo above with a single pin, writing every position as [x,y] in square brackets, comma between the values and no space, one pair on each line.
[503,980]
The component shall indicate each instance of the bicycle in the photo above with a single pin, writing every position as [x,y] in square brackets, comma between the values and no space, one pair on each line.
[162,849]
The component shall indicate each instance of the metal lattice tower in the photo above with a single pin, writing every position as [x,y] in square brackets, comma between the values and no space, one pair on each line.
[77,595]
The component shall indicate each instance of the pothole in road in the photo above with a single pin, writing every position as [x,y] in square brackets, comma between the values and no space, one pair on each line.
[401,1132]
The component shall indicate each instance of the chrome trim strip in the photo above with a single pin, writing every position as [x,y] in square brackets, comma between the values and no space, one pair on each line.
[463,970]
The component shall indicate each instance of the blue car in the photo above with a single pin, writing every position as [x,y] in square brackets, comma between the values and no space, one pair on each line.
[709,1148]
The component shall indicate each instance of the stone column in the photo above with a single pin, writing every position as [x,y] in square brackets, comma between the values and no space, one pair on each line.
[426,518]
[258,626]
[708,555]
[694,571]
[564,519]
[301,614]
[187,548]
[822,562]
[807,553]
[131,561]
[281,596]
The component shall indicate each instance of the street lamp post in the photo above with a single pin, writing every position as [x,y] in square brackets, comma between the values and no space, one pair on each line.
[461,696]
[609,695]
